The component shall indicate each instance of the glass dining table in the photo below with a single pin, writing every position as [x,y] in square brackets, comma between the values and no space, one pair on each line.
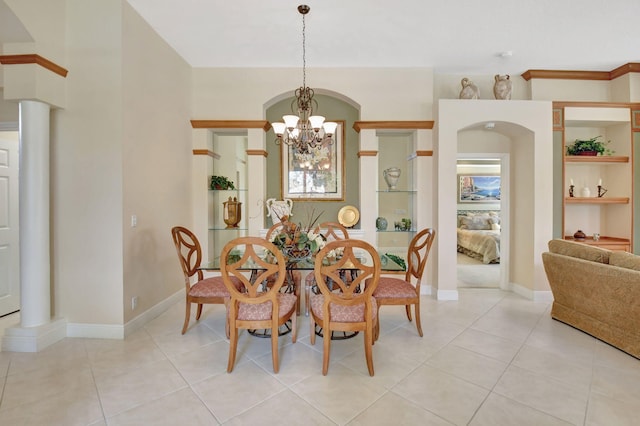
[388,265]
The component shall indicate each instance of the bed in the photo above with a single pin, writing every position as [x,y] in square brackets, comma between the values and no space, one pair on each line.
[479,235]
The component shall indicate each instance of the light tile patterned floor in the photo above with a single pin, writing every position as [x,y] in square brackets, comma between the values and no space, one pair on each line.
[490,358]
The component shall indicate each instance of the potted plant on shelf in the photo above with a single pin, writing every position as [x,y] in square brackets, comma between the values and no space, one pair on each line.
[221,182]
[591,147]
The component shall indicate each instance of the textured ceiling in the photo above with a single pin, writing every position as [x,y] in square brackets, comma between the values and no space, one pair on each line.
[453,37]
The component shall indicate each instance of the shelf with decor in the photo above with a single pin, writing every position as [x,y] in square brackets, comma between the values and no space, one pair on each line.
[396,196]
[219,197]
[598,186]
[596,200]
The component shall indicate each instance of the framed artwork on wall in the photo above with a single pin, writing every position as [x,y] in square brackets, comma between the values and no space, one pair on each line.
[474,188]
[315,176]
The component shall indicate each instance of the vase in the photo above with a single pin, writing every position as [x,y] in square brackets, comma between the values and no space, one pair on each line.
[232,212]
[502,87]
[579,235]
[585,192]
[381,224]
[391,176]
[279,209]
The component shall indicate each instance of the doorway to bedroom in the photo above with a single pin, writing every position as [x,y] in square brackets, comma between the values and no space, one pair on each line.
[480,193]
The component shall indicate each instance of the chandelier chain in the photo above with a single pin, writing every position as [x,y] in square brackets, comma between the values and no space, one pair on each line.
[304,53]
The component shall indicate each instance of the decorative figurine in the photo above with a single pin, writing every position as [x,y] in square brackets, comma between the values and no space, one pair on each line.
[469,90]
[502,87]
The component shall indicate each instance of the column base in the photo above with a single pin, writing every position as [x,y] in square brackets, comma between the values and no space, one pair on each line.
[33,339]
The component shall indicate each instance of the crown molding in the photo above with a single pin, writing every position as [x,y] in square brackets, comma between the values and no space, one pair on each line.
[231,124]
[582,75]
[392,125]
[32,58]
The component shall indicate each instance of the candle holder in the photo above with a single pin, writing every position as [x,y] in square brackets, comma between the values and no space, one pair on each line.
[571,190]
[601,191]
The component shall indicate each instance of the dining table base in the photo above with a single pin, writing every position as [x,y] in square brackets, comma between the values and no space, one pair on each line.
[284,329]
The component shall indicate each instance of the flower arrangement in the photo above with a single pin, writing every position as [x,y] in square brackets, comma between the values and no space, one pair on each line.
[297,241]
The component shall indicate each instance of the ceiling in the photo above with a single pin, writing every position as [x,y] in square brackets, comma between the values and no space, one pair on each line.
[452,37]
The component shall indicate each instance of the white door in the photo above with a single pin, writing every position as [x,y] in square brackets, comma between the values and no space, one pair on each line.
[9,234]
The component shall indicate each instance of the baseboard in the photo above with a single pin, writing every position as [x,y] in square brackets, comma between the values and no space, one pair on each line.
[33,339]
[152,313]
[117,331]
[536,296]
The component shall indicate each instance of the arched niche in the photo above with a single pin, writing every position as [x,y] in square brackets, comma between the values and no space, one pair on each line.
[525,131]
[333,106]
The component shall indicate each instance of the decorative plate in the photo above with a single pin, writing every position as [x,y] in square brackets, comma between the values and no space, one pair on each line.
[348,216]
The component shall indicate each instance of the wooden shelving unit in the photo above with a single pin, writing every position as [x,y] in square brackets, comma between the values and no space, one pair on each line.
[596,200]
[611,215]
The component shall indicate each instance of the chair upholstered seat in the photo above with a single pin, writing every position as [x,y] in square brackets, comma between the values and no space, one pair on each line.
[394,287]
[212,287]
[262,311]
[341,313]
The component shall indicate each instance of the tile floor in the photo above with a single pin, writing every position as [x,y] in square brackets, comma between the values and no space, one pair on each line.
[490,358]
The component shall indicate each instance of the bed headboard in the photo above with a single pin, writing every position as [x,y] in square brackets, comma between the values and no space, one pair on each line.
[490,218]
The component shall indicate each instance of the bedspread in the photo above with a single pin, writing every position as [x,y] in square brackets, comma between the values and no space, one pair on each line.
[481,244]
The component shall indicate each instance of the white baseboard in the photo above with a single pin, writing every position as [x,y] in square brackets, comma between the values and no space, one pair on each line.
[117,331]
[536,296]
[33,339]
[139,321]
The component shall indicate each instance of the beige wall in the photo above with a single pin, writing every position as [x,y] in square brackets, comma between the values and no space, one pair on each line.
[244,93]
[121,146]
[156,162]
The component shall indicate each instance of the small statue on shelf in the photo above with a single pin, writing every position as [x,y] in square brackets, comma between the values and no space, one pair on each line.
[502,87]
[469,90]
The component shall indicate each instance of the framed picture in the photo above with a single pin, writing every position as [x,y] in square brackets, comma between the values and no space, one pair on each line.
[478,189]
[318,175]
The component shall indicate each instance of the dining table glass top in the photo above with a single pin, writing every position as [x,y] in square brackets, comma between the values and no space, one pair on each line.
[386,265]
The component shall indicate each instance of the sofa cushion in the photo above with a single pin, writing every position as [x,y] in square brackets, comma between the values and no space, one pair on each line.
[579,250]
[625,260]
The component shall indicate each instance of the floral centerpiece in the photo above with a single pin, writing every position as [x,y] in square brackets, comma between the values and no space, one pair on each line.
[297,241]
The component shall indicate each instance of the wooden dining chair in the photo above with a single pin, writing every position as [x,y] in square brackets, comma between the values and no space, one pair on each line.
[331,231]
[345,304]
[296,276]
[204,290]
[257,305]
[397,291]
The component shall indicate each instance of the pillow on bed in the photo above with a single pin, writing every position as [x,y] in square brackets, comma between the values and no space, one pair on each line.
[475,222]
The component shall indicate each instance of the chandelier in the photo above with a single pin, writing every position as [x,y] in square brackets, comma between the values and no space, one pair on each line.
[304,131]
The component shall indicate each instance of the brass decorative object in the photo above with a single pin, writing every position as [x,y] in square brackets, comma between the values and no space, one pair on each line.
[232,212]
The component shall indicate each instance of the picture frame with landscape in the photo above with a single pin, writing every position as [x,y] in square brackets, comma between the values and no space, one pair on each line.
[479,188]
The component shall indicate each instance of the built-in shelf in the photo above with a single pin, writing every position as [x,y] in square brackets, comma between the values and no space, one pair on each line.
[606,159]
[596,200]
[227,229]
[610,243]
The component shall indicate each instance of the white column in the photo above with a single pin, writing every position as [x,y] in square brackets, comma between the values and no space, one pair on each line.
[34,214]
